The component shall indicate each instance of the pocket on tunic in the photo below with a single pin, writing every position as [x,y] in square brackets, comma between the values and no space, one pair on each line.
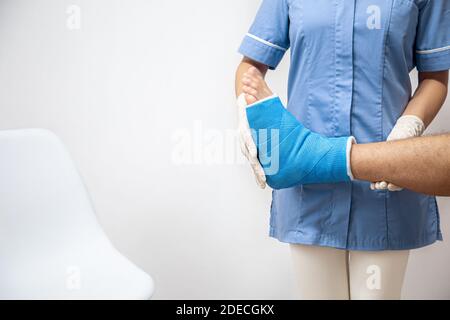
[317,207]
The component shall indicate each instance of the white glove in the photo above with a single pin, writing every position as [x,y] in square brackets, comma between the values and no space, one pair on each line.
[406,127]
[247,144]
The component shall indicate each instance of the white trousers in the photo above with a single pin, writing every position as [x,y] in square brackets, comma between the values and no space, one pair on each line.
[326,273]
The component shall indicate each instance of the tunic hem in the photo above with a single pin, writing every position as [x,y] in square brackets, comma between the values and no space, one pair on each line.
[379,244]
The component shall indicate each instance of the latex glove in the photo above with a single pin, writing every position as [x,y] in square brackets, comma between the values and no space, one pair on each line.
[291,154]
[247,144]
[408,126]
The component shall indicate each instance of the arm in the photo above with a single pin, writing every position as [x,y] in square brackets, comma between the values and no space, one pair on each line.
[243,67]
[429,96]
[419,164]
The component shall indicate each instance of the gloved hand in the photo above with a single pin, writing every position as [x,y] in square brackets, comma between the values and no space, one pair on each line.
[408,126]
[247,144]
[291,154]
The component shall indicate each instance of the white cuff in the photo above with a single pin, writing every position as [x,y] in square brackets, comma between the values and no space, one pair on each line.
[350,142]
[262,100]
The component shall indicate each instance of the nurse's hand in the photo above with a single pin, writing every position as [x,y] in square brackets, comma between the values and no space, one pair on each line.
[408,126]
[247,144]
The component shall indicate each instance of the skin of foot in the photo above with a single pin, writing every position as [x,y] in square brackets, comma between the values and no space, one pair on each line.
[254,86]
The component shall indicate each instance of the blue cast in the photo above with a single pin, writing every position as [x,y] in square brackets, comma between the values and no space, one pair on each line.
[291,154]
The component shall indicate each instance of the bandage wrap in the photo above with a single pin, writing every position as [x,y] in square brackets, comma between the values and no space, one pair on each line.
[290,153]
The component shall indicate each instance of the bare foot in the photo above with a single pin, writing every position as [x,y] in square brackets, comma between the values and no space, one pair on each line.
[255,87]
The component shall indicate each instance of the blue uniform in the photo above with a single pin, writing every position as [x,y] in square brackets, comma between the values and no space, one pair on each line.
[349,76]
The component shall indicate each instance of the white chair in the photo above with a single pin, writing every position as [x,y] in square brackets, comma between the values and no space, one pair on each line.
[51,245]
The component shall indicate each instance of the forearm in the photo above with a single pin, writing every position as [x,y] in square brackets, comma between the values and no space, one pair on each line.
[419,164]
[429,96]
[243,68]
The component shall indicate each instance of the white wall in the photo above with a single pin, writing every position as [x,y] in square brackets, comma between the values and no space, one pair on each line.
[119,91]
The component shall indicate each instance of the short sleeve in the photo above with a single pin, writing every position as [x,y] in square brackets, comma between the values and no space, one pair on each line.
[433,36]
[268,38]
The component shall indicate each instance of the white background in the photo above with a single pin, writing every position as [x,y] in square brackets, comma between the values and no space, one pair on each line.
[117,91]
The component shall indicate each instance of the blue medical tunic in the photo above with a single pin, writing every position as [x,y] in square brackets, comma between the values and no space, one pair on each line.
[349,75]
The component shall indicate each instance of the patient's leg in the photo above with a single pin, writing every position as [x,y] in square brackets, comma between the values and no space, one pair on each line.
[289,153]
